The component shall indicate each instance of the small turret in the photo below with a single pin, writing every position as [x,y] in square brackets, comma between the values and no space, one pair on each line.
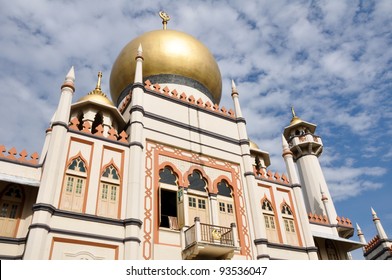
[380,229]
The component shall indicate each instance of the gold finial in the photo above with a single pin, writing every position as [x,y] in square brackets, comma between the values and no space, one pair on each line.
[98,90]
[165,18]
[293,112]
[98,87]
[295,118]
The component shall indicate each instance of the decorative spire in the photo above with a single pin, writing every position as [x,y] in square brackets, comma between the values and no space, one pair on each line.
[233,88]
[98,86]
[295,118]
[140,50]
[285,145]
[69,79]
[374,214]
[97,89]
[380,229]
[293,112]
[361,237]
[165,18]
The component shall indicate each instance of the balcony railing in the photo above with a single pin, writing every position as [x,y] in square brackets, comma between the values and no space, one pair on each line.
[223,239]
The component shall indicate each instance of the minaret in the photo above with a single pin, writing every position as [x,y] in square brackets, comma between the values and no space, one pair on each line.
[306,147]
[135,131]
[50,181]
[380,229]
[299,200]
[260,235]
[361,237]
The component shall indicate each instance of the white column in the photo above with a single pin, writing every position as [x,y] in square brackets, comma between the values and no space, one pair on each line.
[259,234]
[135,194]
[51,179]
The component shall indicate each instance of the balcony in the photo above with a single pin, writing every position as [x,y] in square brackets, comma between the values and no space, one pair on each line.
[209,242]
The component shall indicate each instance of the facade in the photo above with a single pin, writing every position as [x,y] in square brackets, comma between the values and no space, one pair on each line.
[164,172]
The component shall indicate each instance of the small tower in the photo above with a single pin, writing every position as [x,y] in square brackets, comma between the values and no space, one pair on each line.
[361,237]
[380,246]
[306,147]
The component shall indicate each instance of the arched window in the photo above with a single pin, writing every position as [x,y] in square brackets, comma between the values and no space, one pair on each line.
[74,188]
[225,204]
[109,193]
[198,198]
[11,210]
[269,220]
[168,187]
[289,224]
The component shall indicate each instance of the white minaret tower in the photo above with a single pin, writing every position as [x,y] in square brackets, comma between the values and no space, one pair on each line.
[54,157]
[258,224]
[361,237]
[303,217]
[306,147]
[380,229]
[135,114]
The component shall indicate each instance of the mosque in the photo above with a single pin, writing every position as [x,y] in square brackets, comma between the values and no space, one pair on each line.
[161,171]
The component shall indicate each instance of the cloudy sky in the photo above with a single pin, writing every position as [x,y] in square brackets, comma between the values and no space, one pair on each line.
[331,60]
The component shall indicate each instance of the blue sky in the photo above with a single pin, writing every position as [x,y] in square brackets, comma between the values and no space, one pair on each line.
[331,60]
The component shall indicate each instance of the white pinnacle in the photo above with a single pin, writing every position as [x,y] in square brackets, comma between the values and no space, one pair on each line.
[233,86]
[285,145]
[71,75]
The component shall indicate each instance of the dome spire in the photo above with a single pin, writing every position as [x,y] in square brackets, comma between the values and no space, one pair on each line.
[97,94]
[295,118]
[98,86]
[165,18]
[98,90]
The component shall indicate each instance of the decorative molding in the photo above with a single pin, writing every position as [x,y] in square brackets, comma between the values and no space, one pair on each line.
[11,240]
[6,257]
[191,128]
[135,143]
[318,219]
[113,134]
[83,234]
[86,217]
[58,123]
[183,98]
[22,156]
[271,177]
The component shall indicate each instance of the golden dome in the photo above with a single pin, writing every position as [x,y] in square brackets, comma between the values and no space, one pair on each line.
[253,145]
[97,95]
[169,57]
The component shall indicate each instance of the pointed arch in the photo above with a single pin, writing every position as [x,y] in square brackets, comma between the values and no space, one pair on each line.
[168,210]
[270,220]
[73,192]
[290,225]
[203,175]
[110,191]
[226,207]
[197,184]
[107,171]
[214,187]
[80,156]
[176,171]
[266,204]
[285,209]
